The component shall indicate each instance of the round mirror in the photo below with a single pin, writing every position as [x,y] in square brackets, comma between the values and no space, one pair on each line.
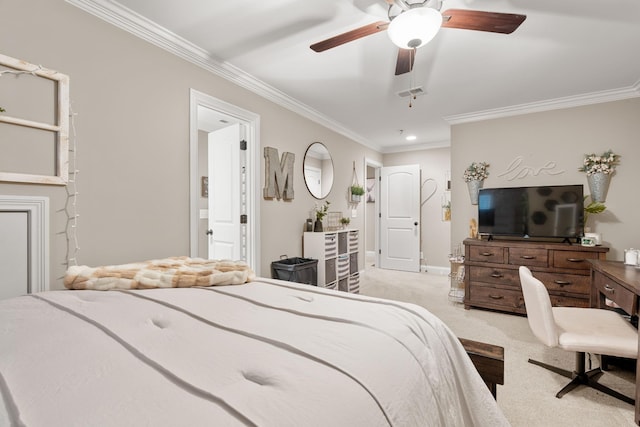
[318,170]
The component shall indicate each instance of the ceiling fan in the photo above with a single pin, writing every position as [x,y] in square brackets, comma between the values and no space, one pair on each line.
[412,25]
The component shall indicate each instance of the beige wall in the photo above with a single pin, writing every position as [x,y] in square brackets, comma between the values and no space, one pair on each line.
[562,137]
[436,234]
[283,221]
[132,105]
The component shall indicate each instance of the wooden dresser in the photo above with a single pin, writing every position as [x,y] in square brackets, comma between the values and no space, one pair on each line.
[492,280]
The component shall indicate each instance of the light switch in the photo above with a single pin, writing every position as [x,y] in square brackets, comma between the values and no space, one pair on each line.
[354,213]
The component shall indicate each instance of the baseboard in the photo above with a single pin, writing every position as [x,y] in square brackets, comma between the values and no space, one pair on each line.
[434,269]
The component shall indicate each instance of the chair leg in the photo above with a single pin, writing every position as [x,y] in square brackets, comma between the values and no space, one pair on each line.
[611,392]
[582,377]
[560,371]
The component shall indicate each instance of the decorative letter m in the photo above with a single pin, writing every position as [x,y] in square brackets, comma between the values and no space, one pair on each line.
[278,180]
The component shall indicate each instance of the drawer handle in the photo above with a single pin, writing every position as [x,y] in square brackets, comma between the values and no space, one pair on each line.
[486,254]
[609,289]
[562,282]
[528,257]
[496,296]
[575,259]
[497,275]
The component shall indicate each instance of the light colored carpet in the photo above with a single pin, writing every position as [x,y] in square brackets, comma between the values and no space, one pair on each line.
[528,396]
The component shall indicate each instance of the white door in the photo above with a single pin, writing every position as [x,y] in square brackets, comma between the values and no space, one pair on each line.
[400,218]
[224,193]
[313,179]
[14,254]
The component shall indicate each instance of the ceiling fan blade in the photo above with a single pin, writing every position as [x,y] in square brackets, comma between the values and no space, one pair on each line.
[406,59]
[350,36]
[505,23]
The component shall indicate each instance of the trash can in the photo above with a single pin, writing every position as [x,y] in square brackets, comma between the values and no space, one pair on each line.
[300,270]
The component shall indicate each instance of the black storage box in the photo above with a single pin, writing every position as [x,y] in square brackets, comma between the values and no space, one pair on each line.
[301,270]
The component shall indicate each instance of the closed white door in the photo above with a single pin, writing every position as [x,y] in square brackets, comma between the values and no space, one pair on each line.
[400,218]
[14,254]
[313,179]
[225,193]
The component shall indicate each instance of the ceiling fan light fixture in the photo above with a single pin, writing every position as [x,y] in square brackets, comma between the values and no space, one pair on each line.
[415,27]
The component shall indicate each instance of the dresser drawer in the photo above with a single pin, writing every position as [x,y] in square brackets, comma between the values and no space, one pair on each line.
[486,254]
[615,292]
[571,283]
[538,257]
[564,301]
[490,297]
[499,276]
[573,259]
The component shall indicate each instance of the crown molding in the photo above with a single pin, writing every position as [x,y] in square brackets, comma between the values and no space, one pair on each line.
[124,18]
[548,105]
[114,13]
[416,147]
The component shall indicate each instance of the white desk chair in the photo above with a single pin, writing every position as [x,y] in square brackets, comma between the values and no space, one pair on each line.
[583,330]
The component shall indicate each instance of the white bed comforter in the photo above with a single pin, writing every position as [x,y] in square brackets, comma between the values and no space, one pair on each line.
[266,353]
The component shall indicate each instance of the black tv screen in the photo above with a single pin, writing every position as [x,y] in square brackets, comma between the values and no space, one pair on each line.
[545,211]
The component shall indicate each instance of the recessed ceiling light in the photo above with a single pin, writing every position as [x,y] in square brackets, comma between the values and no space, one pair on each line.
[411,138]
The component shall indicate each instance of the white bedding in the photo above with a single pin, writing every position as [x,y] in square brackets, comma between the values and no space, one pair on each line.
[266,353]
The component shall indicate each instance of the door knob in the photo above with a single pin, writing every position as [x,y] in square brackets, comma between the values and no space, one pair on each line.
[415,223]
[209,232]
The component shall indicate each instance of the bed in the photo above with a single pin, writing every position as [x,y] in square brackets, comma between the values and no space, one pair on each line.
[263,353]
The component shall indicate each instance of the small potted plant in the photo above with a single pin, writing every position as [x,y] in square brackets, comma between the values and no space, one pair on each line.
[321,212]
[345,222]
[357,191]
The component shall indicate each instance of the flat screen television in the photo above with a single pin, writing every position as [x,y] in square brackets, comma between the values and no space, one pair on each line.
[530,212]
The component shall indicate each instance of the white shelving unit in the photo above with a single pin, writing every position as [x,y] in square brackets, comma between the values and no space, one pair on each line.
[337,255]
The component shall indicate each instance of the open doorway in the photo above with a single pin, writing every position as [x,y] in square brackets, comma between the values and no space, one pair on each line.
[229,219]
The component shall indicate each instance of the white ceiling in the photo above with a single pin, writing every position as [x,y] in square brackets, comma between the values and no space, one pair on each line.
[566,53]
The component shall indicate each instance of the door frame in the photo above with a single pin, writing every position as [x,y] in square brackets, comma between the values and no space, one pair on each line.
[376,222]
[252,123]
[37,209]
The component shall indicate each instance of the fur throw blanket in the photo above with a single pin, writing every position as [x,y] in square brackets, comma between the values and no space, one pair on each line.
[175,272]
